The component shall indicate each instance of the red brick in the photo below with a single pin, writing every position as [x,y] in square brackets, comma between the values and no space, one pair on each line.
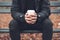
[4,20]
[29,36]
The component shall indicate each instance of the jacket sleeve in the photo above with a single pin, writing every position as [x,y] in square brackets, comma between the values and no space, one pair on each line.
[16,11]
[45,10]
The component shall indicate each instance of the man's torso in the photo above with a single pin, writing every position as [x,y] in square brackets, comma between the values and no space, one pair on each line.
[30,5]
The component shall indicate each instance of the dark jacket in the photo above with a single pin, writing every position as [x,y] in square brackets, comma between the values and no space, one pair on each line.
[19,8]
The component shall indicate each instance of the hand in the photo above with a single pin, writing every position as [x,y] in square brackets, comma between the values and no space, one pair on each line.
[30,17]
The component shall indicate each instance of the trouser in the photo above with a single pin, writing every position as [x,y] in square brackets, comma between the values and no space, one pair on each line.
[45,27]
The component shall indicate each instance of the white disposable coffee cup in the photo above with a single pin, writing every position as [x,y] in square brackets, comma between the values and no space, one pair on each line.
[31,12]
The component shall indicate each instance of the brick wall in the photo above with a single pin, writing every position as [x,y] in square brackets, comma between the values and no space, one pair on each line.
[28,36]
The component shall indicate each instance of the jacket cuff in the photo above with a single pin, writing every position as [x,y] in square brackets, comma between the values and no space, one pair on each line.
[40,17]
[22,18]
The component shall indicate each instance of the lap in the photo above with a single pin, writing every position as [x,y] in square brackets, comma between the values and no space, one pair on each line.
[14,24]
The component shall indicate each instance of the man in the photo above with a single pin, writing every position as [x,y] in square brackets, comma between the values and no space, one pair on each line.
[30,15]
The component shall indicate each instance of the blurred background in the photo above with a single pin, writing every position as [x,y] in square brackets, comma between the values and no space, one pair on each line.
[5,18]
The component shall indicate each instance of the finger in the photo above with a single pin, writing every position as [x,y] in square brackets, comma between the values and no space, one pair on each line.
[33,18]
[29,22]
[27,16]
[33,15]
[28,19]
[33,21]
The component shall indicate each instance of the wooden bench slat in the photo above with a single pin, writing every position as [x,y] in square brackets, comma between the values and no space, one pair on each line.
[5,4]
[4,10]
[55,3]
[57,10]
[29,31]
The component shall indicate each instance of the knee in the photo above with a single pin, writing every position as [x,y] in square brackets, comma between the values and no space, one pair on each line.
[12,24]
[48,22]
